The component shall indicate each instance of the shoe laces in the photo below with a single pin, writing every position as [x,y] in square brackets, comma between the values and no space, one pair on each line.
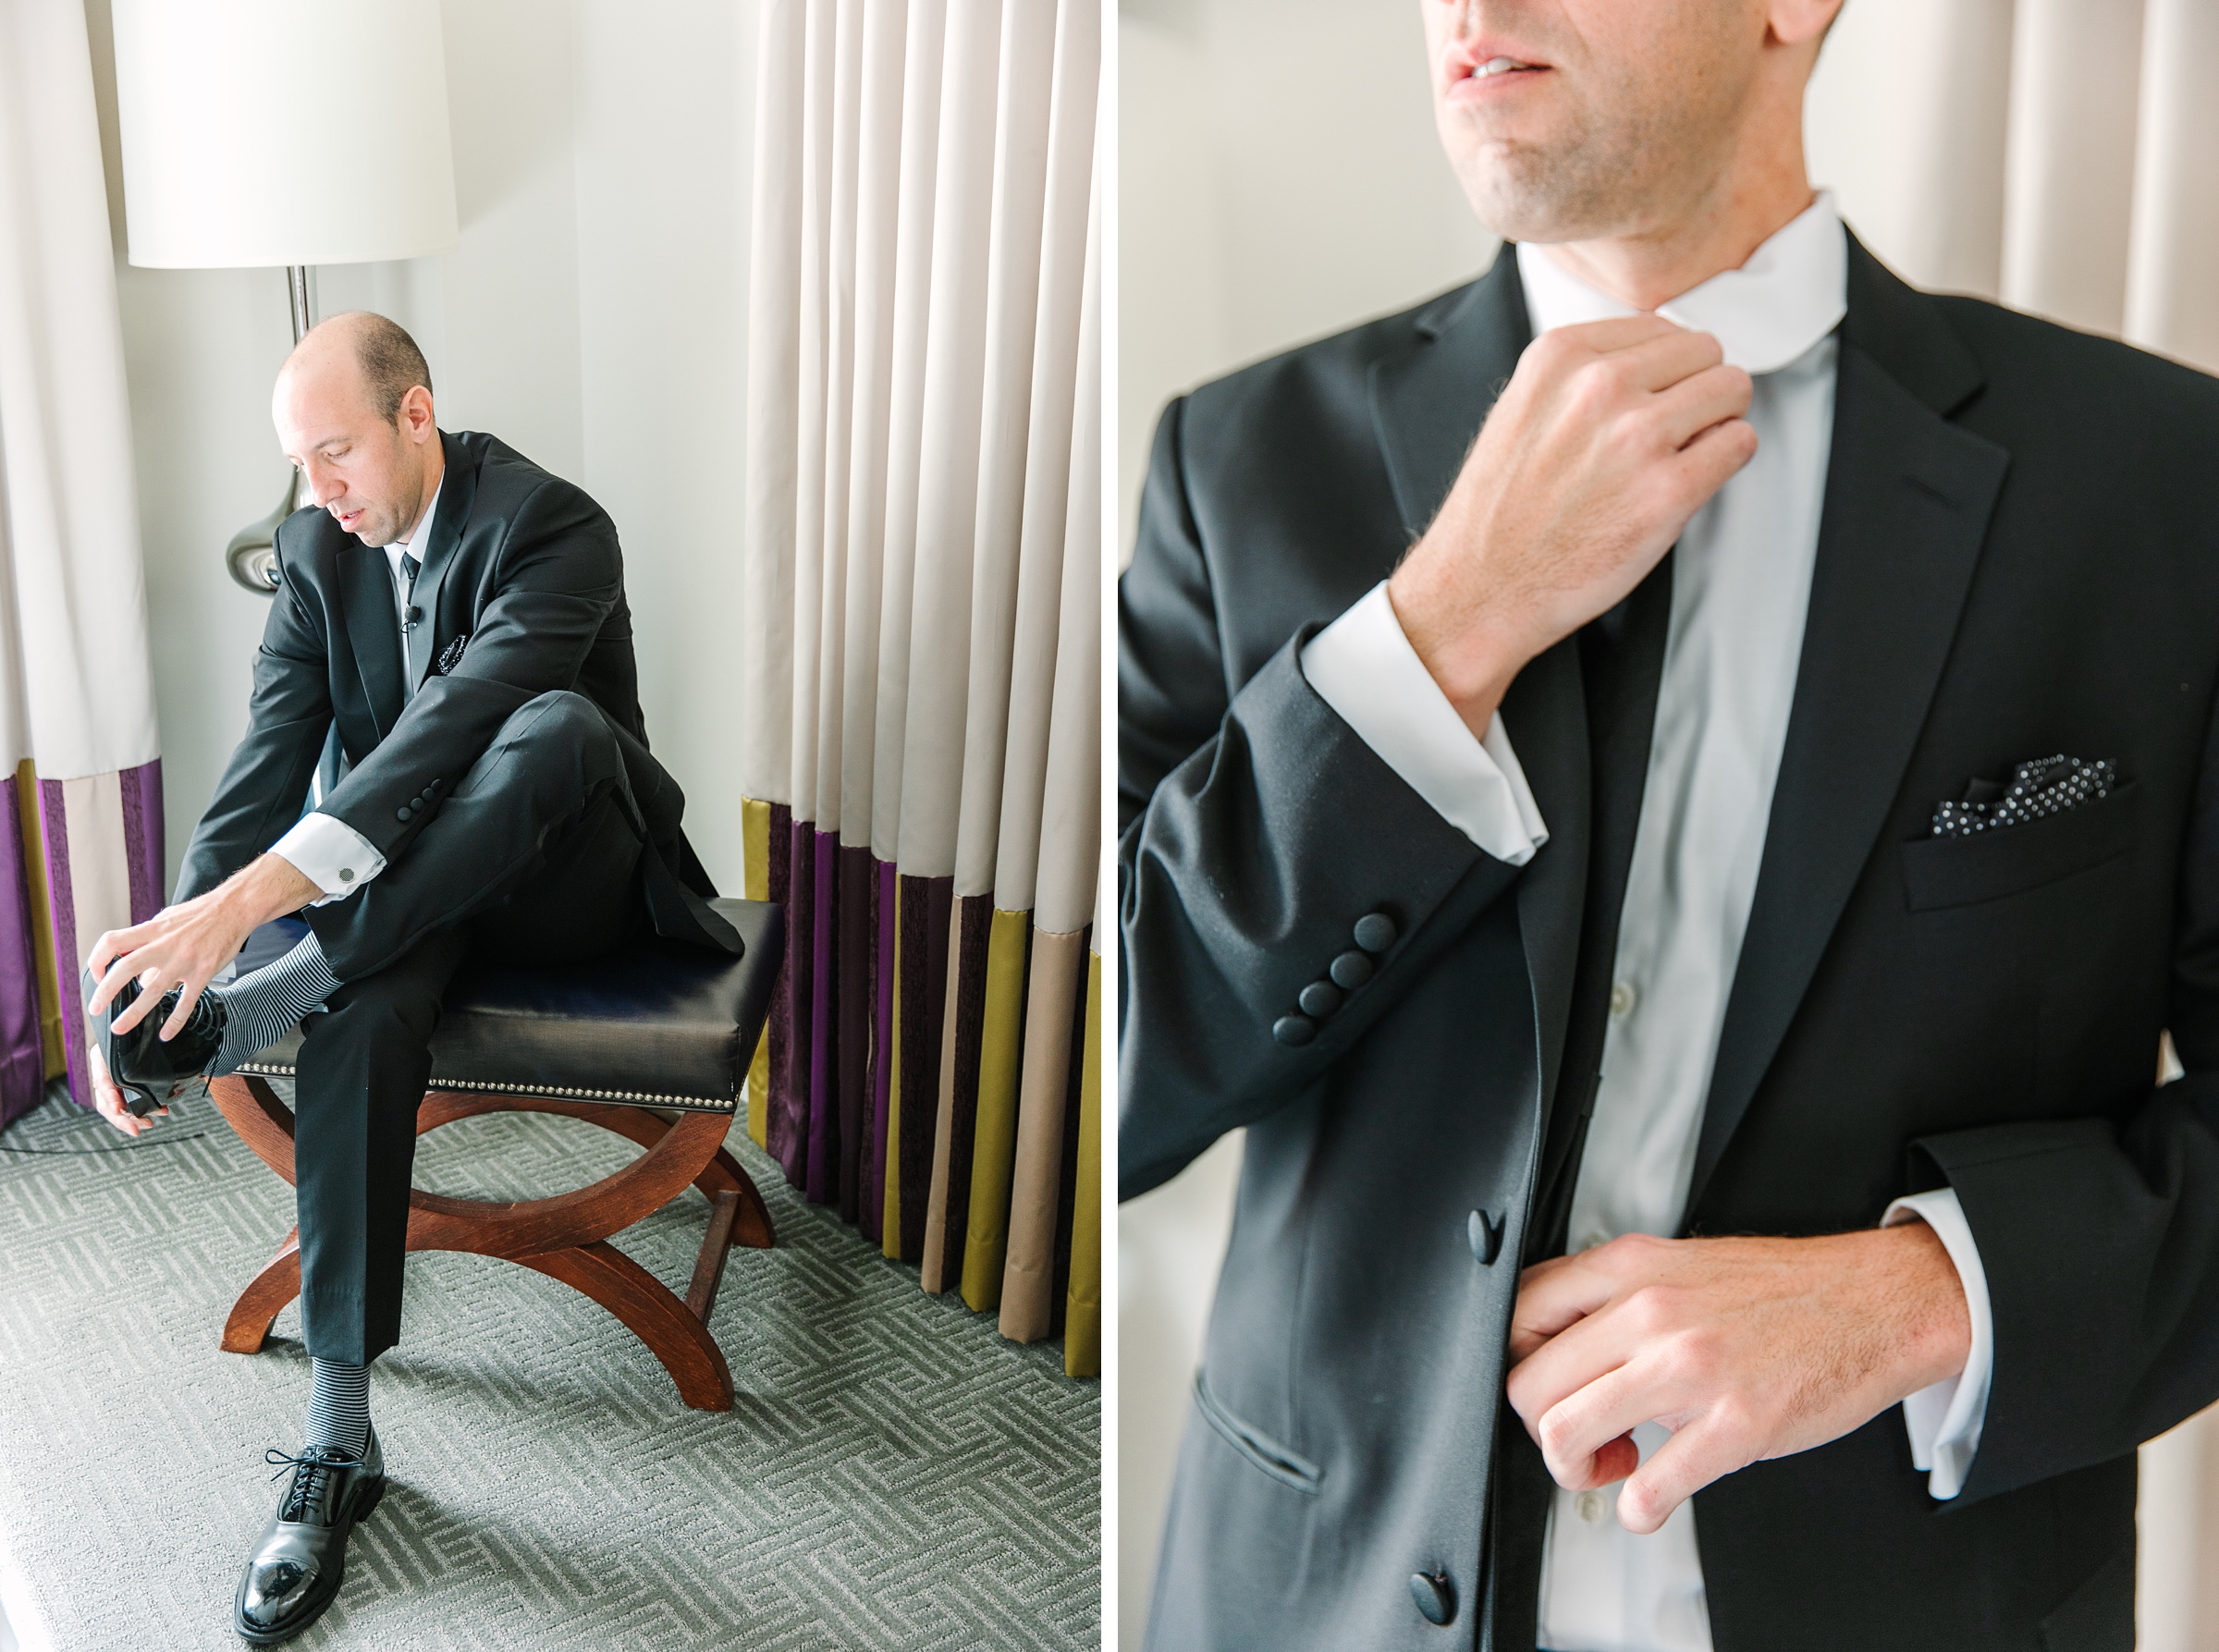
[314,1472]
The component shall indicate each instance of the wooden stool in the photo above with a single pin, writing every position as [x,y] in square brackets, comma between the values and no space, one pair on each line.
[659,1025]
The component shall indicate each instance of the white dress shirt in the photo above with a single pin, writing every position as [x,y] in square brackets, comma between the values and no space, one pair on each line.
[1741,587]
[325,850]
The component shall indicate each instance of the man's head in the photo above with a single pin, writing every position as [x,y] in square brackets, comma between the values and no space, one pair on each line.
[353,411]
[1573,120]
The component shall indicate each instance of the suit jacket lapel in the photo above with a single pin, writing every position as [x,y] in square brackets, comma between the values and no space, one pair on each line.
[1909,498]
[1427,405]
[373,630]
[458,492]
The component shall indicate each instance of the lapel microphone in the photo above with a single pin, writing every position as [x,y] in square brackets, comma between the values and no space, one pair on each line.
[409,616]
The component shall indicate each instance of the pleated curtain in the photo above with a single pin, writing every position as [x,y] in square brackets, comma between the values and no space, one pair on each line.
[921,715]
[2062,156]
[80,808]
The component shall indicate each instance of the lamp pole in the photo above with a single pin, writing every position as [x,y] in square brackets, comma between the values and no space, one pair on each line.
[253,554]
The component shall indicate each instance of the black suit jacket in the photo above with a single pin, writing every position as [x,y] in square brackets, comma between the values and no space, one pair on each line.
[520,566]
[2018,556]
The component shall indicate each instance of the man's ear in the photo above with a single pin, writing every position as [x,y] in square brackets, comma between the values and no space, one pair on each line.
[1793,21]
[414,415]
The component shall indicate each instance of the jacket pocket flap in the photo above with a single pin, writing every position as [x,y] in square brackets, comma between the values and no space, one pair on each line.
[1940,872]
[1260,1447]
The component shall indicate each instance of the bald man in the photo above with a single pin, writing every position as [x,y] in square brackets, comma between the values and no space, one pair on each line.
[451,619]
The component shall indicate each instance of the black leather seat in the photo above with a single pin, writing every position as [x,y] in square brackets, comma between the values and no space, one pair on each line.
[659,1024]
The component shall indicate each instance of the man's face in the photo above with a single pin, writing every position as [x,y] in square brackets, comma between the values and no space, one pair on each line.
[1573,119]
[367,471]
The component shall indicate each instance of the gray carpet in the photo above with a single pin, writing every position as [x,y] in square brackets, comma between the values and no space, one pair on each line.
[893,1475]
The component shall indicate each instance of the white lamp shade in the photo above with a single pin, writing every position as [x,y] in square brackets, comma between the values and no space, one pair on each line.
[283,131]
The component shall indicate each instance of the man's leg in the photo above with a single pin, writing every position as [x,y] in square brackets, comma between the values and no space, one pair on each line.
[553,769]
[362,1068]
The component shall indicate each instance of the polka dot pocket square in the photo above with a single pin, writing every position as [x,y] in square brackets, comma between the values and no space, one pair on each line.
[2035,792]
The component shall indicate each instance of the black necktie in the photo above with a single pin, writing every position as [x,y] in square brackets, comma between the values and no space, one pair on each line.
[411,613]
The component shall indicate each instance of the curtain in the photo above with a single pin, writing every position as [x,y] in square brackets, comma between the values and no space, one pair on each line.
[921,744]
[2062,156]
[80,817]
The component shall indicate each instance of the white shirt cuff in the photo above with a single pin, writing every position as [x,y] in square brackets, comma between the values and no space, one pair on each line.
[1944,1420]
[1364,667]
[331,854]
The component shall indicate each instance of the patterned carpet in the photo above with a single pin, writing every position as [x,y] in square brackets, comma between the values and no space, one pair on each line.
[893,1475]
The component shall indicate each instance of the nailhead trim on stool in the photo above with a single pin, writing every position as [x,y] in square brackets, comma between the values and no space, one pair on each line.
[700,1103]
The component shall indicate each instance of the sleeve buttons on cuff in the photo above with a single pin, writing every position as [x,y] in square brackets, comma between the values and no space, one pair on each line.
[1351,970]
[1376,931]
[1319,999]
[401,816]
[1293,1031]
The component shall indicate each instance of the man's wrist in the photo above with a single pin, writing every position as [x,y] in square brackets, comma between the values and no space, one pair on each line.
[1472,661]
[266,887]
[1938,1320]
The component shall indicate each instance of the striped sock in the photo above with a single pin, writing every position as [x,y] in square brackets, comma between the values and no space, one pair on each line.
[262,1006]
[338,1405]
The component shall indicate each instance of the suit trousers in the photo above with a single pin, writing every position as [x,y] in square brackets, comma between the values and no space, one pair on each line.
[534,856]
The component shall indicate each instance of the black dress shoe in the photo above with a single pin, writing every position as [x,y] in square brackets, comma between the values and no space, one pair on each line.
[300,1560]
[142,1065]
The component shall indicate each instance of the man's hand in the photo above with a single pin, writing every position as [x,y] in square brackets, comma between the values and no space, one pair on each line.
[1611,435]
[187,944]
[107,1097]
[1745,1348]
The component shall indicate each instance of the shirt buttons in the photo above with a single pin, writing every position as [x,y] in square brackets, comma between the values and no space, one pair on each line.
[1591,1506]
[1623,1000]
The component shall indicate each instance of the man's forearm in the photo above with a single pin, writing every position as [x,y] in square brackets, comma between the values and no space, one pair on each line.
[267,886]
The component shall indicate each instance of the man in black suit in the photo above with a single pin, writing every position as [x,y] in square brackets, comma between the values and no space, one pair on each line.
[450,645]
[1671,790]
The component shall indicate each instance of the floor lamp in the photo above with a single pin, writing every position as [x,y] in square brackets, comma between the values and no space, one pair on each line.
[278,132]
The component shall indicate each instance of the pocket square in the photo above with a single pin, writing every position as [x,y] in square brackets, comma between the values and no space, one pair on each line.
[451,655]
[2036,790]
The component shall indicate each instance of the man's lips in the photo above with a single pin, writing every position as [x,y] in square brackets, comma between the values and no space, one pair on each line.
[1491,77]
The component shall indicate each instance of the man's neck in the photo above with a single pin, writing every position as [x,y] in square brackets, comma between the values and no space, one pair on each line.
[435,467]
[1654,264]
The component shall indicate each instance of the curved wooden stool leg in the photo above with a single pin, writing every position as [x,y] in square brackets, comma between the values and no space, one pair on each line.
[635,1296]
[276,1284]
[723,1172]
[564,1237]
[263,1122]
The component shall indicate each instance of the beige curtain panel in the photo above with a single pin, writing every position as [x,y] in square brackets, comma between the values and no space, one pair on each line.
[2062,156]
[922,746]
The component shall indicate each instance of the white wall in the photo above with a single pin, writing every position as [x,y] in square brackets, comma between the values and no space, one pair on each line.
[592,317]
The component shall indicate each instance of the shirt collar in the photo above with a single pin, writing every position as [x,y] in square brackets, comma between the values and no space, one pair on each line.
[1790,293]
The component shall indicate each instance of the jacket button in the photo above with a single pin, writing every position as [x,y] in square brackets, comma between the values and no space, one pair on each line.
[1485,1233]
[1351,970]
[1376,931]
[1295,1031]
[401,815]
[1435,1594]
[1319,999]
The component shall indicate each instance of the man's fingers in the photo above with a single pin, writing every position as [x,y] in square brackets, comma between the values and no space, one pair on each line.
[1710,459]
[1671,358]
[1683,411]
[1553,1296]
[1577,1431]
[108,1099]
[1703,1451]
[1615,333]
[150,994]
[183,1012]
